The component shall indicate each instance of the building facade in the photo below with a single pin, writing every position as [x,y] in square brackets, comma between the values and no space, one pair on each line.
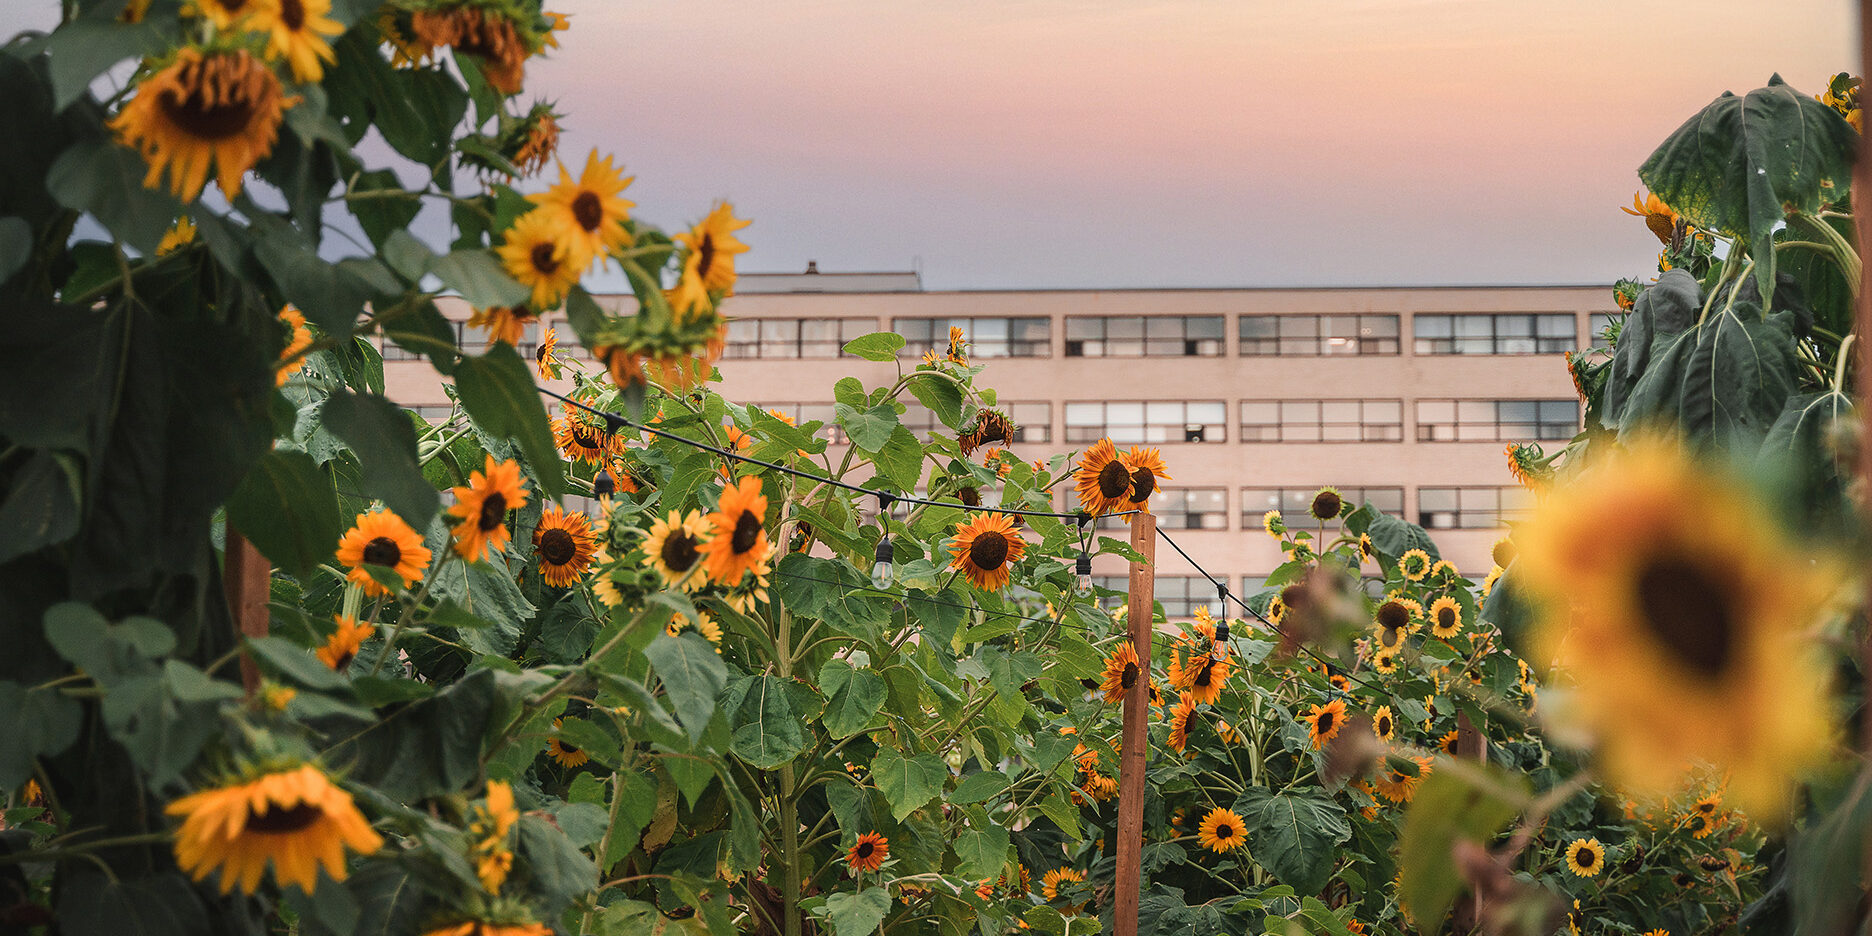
[1403,397]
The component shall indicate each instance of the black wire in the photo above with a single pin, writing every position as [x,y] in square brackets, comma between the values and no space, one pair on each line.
[613,421]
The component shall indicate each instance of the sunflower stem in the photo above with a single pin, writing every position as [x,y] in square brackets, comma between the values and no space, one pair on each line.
[84,850]
[1839,364]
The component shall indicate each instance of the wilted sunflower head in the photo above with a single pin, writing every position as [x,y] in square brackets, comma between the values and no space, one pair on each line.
[1327,504]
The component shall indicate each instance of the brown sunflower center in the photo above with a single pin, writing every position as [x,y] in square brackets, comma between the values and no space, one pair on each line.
[989,551]
[231,6]
[1325,722]
[968,494]
[587,211]
[585,435]
[865,849]
[493,511]
[1446,618]
[293,14]
[705,255]
[557,547]
[1689,612]
[1224,831]
[383,551]
[1586,858]
[567,748]
[1327,504]
[1142,484]
[543,259]
[747,531]
[1384,725]
[1113,480]
[1393,615]
[1129,677]
[679,551]
[211,102]
[1203,674]
[279,820]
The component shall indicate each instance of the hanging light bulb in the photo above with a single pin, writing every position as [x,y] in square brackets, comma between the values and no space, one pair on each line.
[883,571]
[1083,567]
[1218,650]
[604,485]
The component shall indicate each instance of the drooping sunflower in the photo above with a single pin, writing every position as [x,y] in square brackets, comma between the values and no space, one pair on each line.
[564,544]
[1396,783]
[488,830]
[481,507]
[1708,805]
[1324,722]
[737,540]
[1053,881]
[1696,614]
[703,624]
[179,235]
[299,340]
[1206,676]
[1701,825]
[342,646]
[1327,504]
[546,356]
[1445,617]
[744,595]
[534,254]
[675,547]
[984,547]
[295,820]
[583,437]
[296,31]
[565,754]
[1414,565]
[868,854]
[1494,576]
[538,139]
[1383,723]
[1658,217]
[590,210]
[222,108]
[487,34]
[1222,831]
[1103,482]
[1181,716]
[505,324]
[1121,673]
[1272,523]
[1146,468]
[1099,787]
[381,538]
[1585,857]
[708,265]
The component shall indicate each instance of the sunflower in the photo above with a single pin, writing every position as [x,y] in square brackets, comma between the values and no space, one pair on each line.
[1146,468]
[342,646]
[296,819]
[1447,743]
[564,544]
[488,828]
[506,324]
[1445,617]
[675,547]
[583,437]
[984,547]
[179,235]
[224,14]
[1327,504]
[1180,717]
[1414,565]
[1100,788]
[1367,551]
[1324,722]
[1585,857]
[590,211]
[1273,524]
[546,356]
[1503,552]
[703,624]
[1708,805]
[1701,825]
[1396,785]
[737,537]
[744,595]
[539,260]
[1658,217]
[1103,482]
[1053,881]
[869,853]
[490,928]
[481,507]
[539,140]
[1695,615]
[296,31]
[1206,676]
[1444,571]
[223,108]
[292,359]
[487,34]
[1383,723]
[1121,673]
[1385,663]
[381,538]
[565,754]
[1222,831]
[708,266]
[1494,576]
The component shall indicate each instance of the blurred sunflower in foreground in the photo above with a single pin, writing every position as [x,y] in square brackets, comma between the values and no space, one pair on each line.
[1683,617]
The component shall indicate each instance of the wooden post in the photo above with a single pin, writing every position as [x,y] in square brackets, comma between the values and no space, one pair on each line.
[1862,314]
[245,578]
[1136,719]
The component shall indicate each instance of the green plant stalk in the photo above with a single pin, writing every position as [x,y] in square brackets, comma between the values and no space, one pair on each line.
[1839,363]
[790,856]
[1844,256]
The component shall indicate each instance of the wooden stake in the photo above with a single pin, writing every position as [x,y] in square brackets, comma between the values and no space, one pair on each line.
[1136,719]
[245,578]
[1862,314]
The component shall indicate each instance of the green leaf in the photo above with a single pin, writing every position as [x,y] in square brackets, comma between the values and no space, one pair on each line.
[858,914]
[589,736]
[424,331]
[692,674]
[768,715]
[83,49]
[498,391]
[427,748]
[16,246]
[385,208]
[286,506]
[980,786]
[637,804]
[1392,538]
[1800,446]
[162,731]
[480,278]
[942,396]
[106,180]
[332,297]
[869,429]
[42,507]
[1457,801]
[1121,549]
[901,459]
[854,695]
[982,851]
[108,652]
[1294,835]
[908,782]
[43,723]
[295,664]
[877,346]
[1662,312]
[1742,164]
[380,433]
[560,872]
[90,904]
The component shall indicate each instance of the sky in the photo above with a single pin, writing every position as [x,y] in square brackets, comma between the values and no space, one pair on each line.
[1080,144]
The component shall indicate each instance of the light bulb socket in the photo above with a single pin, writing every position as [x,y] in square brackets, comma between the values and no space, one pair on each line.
[604,485]
[1220,650]
[885,551]
[1082,566]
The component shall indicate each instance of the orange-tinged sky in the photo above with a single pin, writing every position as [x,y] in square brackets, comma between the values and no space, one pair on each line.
[1051,143]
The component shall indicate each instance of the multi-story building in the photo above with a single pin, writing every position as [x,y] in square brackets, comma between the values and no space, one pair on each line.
[1401,396]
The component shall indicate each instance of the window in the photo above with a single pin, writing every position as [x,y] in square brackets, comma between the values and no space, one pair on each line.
[1596,329]
[1180,595]
[1293,503]
[803,413]
[987,337]
[1496,420]
[1144,336]
[1313,335]
[1033,422]
[477,339]
[1543,333]
[433,412]
[1322,420]
[1471,508]
[793,337]
[1152,421]
[1177,508]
